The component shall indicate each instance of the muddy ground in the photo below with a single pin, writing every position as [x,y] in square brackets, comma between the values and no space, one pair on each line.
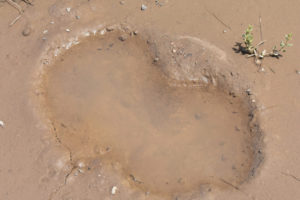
[115,100]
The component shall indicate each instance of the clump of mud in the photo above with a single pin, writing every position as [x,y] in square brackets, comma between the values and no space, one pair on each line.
[171,113]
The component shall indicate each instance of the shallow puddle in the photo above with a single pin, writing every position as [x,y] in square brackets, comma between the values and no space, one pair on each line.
[105,98]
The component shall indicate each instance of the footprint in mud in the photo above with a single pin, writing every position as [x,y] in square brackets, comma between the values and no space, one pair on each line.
[109,98]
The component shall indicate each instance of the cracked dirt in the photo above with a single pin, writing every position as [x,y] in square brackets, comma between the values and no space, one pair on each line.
[74,125]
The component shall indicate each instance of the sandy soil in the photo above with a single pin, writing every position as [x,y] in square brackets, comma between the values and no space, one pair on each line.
[155,106]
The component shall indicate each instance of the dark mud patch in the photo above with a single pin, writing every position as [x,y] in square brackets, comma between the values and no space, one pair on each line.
[171,114]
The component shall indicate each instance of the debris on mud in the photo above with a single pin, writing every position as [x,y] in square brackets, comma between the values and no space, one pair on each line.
[114,190]
[123,37]
[143,7]
[26,31]
[2,124]
[110,28]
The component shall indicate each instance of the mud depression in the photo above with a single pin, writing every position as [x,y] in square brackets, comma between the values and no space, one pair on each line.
[107,98]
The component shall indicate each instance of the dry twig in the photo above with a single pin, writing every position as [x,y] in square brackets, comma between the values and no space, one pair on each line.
[15,5]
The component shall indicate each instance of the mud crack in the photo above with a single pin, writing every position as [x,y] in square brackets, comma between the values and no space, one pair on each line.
[72,165]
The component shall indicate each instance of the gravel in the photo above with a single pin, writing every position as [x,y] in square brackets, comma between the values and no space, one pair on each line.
[26,31]
[143,7]
[123,37]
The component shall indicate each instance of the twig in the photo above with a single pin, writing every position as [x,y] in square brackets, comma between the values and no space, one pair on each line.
[235,187]
[260,28]
[272,70]
[230,184]
[15,20]
[134,179]
[260,43]
[290,175]
[15,5]
[218,19]
[27,2]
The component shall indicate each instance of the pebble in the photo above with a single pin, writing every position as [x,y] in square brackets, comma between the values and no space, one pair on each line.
[45,31]
[144,7]
[77,17]
[298,72]
[123,37]
[110,28]
[102,32]
[156,59]
[68,9]
[68,30]
[114,190]
[2,124]
[135,32]
[81,165]
[249,92]
[26,31]
[52,22]
[225,31]
[122,2]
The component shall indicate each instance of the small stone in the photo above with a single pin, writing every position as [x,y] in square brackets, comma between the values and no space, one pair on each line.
[26,31]
[110,28]
[258,61]
[114,190]
[135,32]
[225,31]
[102,32]
[52,22]
[156,59]
[144,7]
[45,31]
[68,30]
[123,37]
[122,2]
[81,165]
[68,9]
[77,17]
[2,124]
[298,72]
[248,91]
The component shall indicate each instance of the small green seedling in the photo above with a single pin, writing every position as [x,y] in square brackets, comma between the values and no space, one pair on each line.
[248,39]
[253,51]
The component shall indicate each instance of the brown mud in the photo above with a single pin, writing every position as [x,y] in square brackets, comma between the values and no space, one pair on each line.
[104,100]
[170,131]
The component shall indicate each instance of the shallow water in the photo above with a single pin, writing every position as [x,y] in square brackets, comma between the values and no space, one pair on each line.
[106,99]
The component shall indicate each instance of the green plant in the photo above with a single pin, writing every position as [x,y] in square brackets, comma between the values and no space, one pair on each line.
[248,39]
[253,51]
[283,45]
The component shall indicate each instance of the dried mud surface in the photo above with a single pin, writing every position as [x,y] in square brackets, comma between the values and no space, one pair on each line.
[103,100]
